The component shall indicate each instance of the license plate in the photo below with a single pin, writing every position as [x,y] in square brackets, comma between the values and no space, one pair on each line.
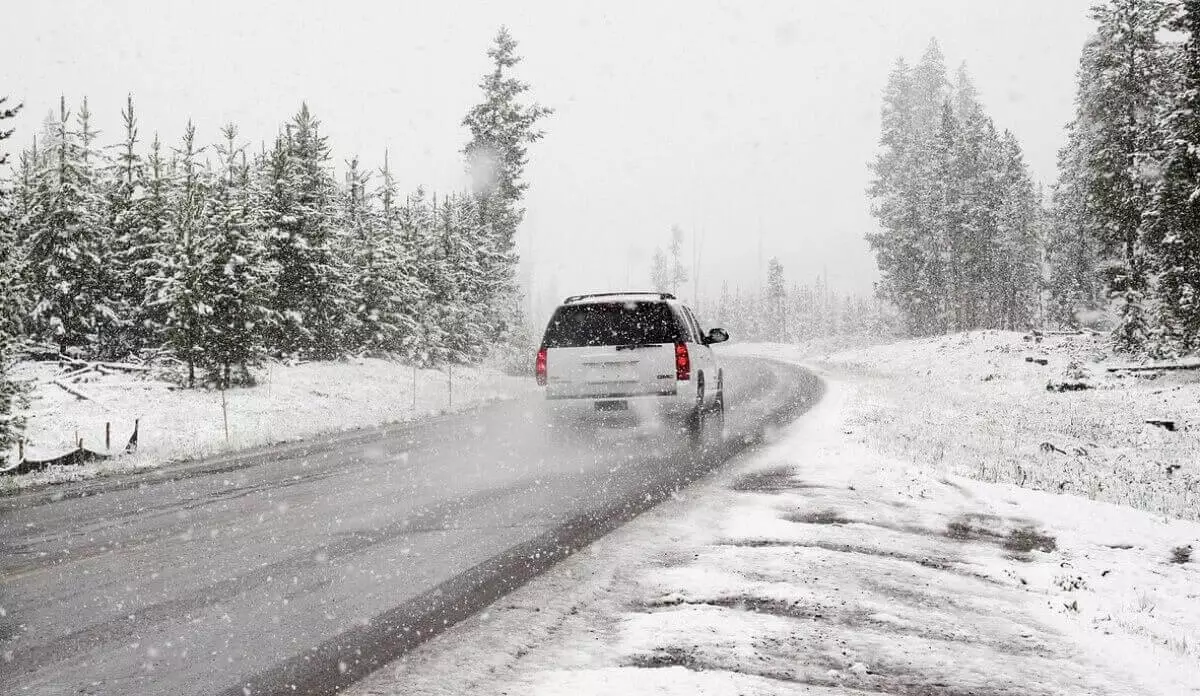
[612,405]
[611,376]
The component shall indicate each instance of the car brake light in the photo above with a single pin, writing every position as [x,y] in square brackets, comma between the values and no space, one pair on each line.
[683,362]
[540,367]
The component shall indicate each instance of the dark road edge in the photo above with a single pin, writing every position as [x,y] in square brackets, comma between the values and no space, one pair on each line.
[350,656]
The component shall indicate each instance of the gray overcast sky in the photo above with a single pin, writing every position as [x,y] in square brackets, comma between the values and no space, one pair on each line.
[724,117]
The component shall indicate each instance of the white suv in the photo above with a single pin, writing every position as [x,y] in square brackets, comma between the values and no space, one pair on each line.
[638,351]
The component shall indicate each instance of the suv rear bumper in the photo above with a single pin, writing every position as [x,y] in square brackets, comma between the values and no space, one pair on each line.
[610,406]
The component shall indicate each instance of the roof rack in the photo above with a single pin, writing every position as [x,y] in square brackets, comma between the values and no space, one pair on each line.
[659,295]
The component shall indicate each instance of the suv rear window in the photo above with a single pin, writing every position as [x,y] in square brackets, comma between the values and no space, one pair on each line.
[611,324]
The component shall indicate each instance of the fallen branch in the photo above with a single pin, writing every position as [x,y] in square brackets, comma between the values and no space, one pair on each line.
[1067,386]
[76,372]
[1154,367]
[77,393]
[126,367]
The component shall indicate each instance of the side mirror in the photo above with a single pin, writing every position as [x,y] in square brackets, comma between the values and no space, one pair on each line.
[716,336]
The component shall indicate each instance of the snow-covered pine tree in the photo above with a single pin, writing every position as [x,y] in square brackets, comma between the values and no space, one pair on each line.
[660,272]
[399,287]
[310,298]
[382,287]
[152,246]
[10,322]
[125,228]
[465,327]
[945,275]
[930,89]
[63,269]
[775,302]
[678,271]
[1119,93]
[105,281]
[907,248]
[179,289]
[366,327]
[12,209]
[236,283]
[894,244]
[1016,269]
[929,195]
[417,223]
[975,172]
[1073,251]
[1173,225]
[502,127]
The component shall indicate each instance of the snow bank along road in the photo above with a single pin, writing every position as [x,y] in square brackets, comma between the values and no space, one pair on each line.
[301,568]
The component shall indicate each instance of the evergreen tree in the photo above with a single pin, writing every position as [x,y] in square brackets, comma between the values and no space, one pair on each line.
[898,252]
[502,127]
[11,392]
[776,302]
[384,290]
[958,214]
[417,221]
[149,253]
[678,272]
[660,272]
[1016,266]
[930,90]
[401,295]
[236,283]
[945,259]
[301,213]
[1073,251]
[1117,100]
[126,226]
[1173,229]
[180,289]
[64,263]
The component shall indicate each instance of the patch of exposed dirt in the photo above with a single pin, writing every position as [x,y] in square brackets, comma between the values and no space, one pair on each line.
[774,480]
[990,528]
[860,618]
[822,670]
[1027,539]
[818,517]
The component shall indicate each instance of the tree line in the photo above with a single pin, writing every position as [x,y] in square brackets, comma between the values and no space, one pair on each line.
[966,240]
[959,215]
[786,312]
[1125,238]
[221,255]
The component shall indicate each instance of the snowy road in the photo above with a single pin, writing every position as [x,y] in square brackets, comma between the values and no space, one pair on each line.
[306,566]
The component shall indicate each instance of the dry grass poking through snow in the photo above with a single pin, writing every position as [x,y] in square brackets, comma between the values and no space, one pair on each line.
[981,405]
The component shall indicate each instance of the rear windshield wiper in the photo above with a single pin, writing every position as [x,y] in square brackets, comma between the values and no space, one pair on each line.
[635,346]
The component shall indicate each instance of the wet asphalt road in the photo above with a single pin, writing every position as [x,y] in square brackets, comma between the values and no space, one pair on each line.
[301,568]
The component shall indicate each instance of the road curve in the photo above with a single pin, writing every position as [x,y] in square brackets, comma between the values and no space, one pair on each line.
[302,568]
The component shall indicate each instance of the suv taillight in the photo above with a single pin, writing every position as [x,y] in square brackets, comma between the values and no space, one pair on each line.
[539,367]
[683,363]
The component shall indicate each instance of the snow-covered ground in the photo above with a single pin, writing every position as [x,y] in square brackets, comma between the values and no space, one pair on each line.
[982,405]
[836,561]
[289,402]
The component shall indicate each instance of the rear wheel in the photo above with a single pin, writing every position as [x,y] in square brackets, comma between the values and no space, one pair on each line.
[718,411]
[698,417]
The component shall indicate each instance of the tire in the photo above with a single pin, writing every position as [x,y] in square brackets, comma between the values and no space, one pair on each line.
[718,408]
[697,419]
